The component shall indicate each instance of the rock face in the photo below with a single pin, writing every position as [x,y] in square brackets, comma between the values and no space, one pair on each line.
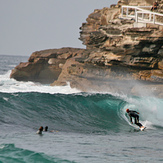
[116,58]
[44,66]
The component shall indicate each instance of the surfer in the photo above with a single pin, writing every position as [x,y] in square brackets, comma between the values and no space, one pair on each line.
[135,115]
[40,130]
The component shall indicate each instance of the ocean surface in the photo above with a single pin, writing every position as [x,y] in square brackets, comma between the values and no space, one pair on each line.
[83,127]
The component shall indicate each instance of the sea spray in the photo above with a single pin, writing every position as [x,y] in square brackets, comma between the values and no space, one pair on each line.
[8,85]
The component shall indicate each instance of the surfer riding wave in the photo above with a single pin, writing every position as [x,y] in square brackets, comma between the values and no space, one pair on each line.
[134,114]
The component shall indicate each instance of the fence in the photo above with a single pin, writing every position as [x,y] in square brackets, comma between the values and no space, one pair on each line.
[141,14]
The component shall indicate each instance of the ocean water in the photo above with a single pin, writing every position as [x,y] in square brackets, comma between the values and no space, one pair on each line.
[83,127]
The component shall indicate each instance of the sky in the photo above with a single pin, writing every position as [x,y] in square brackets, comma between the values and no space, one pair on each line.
[27,26]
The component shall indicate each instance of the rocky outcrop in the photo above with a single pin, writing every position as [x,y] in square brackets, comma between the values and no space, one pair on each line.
[116,58]
[44,66]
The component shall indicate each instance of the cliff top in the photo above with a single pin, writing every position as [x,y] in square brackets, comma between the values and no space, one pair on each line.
[139,2]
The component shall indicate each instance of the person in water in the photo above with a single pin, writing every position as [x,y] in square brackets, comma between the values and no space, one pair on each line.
[134,114]
[46,129]
[40,130]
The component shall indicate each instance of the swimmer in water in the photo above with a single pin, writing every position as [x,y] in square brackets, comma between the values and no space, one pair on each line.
[40,130]
[46,129]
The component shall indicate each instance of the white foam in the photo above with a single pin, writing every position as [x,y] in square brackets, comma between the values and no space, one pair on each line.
[6,99]
[2,146]
[148,124]
[8,85]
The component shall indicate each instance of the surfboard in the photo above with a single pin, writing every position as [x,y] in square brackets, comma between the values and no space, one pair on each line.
[142,128]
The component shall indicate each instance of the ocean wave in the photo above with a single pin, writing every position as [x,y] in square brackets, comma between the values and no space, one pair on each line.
[86,113]
[11,154]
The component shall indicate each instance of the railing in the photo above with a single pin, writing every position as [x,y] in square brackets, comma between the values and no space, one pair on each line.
[139,14]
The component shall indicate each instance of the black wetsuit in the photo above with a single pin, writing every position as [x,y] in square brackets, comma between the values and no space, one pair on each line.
[134,114]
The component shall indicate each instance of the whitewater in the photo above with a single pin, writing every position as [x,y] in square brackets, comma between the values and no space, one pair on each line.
[83,126]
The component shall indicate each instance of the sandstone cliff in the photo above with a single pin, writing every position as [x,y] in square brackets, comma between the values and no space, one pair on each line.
[117,57]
